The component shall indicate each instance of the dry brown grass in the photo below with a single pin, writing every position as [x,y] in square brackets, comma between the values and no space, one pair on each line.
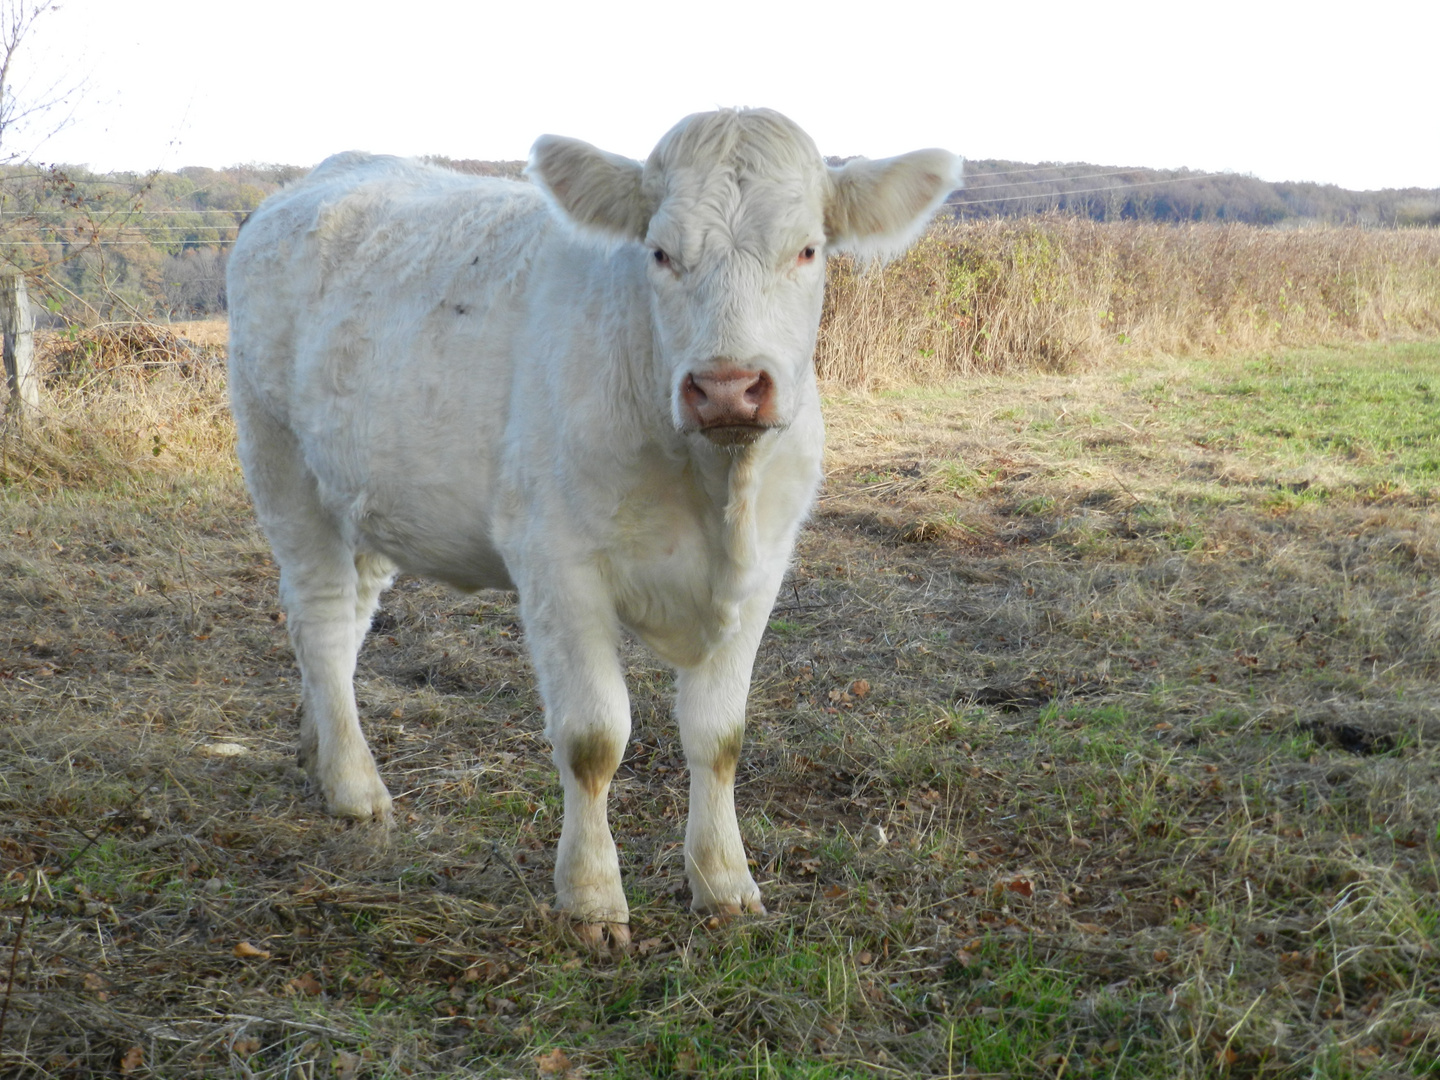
[207,333]
[1059,293]
[119,399]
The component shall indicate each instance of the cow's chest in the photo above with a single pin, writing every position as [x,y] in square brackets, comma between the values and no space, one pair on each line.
[673,570]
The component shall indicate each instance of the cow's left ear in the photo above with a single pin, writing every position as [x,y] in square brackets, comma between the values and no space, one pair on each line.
[597,191]
[876,208]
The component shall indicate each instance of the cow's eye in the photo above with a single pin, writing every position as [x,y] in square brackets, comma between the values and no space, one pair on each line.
[661,259]
[807,255]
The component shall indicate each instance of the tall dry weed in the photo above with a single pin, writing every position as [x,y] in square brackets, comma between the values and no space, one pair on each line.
[1057,293]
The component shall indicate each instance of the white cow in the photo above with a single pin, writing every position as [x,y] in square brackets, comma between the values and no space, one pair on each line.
[596,389]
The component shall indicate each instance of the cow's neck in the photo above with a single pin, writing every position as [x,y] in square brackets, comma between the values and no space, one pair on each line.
[740,496]
[733,480]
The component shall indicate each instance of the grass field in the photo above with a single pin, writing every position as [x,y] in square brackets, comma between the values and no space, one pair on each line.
[1097,734]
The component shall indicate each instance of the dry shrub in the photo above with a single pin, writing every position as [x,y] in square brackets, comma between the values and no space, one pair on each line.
[1057,293]
[134,348]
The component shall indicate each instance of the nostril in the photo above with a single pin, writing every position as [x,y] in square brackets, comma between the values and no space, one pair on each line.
[694,393]
[758,392]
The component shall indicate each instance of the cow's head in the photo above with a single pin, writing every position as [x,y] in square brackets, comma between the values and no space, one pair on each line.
[734,213]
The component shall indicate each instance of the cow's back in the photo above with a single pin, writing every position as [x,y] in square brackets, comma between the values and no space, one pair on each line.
[364,249]
[374,310]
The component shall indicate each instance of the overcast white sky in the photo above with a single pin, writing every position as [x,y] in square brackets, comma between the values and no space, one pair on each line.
[1343,94]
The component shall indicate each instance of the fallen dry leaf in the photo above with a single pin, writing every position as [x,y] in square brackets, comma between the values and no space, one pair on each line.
[555,1063]
[132,1059]
[1092,928]
[346,1065]
[245,951]
[860,687]
[305,984]
[1023,886]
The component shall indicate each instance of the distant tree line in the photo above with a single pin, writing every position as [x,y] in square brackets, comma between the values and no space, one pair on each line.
[120,246]
[1107,193]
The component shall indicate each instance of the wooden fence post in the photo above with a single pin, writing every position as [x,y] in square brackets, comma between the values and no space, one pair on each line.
[18,325]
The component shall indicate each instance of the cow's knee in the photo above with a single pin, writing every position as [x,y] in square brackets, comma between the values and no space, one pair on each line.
[592,755]
[718,754]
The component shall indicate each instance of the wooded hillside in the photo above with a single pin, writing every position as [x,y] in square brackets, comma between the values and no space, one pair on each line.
[127,245]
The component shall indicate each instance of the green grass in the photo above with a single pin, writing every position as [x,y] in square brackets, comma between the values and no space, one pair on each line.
[1369,412]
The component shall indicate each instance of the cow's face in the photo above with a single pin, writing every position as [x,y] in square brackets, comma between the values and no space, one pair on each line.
[734,254]
[734,213]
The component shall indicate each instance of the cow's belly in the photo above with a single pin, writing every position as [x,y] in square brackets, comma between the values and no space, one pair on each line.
[465,563]
[433,531]
[416,502]
[405,458]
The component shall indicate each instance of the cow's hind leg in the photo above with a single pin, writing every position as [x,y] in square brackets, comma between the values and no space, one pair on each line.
[573,640]
[323,603]
[328,595]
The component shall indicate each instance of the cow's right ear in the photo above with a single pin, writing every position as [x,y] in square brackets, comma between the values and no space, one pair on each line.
[596,190]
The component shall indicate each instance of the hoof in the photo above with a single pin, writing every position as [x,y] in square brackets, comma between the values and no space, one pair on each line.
[370,803]
[719,914]
[748,902]
[603,938]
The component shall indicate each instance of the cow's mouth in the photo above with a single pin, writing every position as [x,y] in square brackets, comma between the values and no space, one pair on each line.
[735,434]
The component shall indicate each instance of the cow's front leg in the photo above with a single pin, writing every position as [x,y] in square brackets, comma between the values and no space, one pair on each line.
[710,708]
[587,719]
